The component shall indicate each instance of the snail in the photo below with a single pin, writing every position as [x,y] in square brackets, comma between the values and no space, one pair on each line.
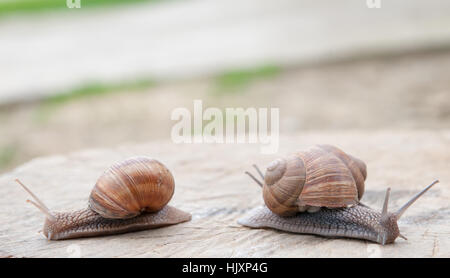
[131,195]
[318,191]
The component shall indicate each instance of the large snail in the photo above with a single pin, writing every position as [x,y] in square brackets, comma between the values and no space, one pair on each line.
[328,184]
[130,196]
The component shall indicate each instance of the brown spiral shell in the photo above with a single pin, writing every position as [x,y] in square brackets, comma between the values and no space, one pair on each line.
[322,176]
[130,187]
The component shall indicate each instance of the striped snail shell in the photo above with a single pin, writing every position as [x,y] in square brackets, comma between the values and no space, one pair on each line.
[132,186]
[322,176]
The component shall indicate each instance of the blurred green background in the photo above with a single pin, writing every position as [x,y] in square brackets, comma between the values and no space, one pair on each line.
[21,6]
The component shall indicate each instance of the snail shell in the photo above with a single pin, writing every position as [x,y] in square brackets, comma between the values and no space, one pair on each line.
[131,187]
[322,176]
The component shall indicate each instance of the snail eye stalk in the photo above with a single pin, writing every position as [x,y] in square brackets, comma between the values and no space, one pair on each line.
[402,210]
[38,203]
[384,212]
[259,171]
[255,179]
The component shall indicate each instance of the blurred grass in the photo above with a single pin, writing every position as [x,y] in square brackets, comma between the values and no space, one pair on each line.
[227,82]
[90,89]
[7,155]
[98,88]
[234,80]
[17,6]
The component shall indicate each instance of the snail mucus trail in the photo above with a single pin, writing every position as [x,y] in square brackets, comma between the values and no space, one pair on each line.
[358,221]
[131,195]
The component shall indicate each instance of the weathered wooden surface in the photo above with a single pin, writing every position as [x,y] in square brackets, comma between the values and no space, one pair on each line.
[211,185]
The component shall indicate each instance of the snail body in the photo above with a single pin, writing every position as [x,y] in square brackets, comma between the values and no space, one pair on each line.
[129,196]
[358,222]
[87,223]
[342,216]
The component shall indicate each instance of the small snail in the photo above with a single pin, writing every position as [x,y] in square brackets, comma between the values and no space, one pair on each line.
[130,196]
[327,183]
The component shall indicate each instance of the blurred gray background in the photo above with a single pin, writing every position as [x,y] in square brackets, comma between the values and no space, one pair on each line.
[111,72]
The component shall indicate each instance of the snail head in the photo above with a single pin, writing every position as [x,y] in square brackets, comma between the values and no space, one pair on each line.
[51,217]
[389,230]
